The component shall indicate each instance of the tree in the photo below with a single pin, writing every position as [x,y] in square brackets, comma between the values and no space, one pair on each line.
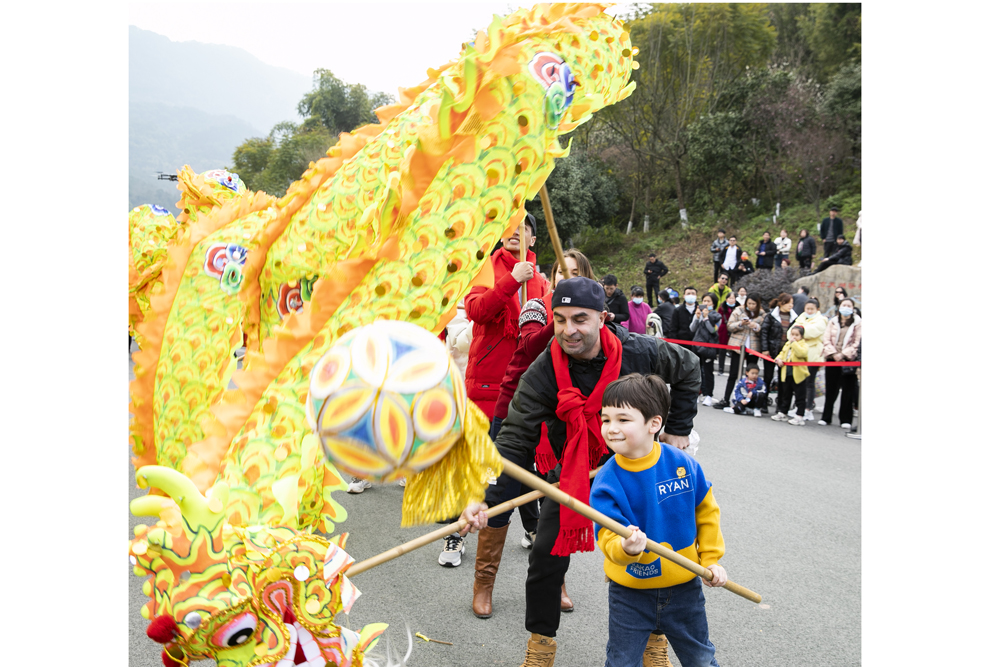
[272,163]
[687,54]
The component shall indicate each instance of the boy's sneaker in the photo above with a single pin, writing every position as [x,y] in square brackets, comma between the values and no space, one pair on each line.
[454,547]
[797,421]
[528,540]
[729,411]
[821,422]
[719,405]
[780,417]
[808,416]
[358,485]
[708,401]
[756,412]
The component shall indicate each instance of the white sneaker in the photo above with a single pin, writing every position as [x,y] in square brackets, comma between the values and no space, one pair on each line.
[708,401]
[821,422]
[454,547]
[358,485]
[846,427]
[797,421]
[701,399]
[756,412]
[528,540]
[809,415]
[729,411]
[780,417]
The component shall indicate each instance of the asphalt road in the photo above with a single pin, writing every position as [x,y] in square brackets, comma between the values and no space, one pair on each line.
[791,516]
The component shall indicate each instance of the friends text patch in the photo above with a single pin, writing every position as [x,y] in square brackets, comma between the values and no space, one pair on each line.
[644,570]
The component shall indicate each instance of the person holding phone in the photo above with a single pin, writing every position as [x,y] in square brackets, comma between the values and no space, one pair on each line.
[705,329]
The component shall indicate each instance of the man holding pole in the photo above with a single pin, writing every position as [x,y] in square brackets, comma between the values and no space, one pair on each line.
[563,389]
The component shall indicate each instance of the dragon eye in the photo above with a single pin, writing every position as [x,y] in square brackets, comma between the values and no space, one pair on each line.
[236,632]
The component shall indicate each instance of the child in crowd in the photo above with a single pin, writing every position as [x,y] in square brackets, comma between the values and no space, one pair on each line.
[796,349]
[660,493]
[749,394]
[705,327]
[638,309]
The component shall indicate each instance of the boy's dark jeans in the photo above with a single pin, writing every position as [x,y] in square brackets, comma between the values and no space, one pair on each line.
[676,611]
[759,402]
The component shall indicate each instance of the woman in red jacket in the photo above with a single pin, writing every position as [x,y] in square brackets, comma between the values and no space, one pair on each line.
[536,331]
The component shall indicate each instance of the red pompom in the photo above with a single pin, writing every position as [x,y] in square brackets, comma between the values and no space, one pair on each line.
[162,629]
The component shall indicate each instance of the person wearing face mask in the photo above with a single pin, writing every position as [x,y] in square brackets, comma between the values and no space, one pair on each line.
[814,326]
[665,311]
[840,343]
[638,309]
[774,332]
[839,295]
[725,310]
[705,329]
[744,267]
[680,325]
[741,296]
[744,327]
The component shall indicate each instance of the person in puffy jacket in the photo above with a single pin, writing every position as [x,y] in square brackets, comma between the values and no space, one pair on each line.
[774,332]
[637,311]
[792,379]
[705,329]
[766,250]
[744,326]
[814,326]
[726,309]
[805,250]
[840,343]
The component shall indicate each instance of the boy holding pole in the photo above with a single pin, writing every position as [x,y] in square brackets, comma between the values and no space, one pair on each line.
[660,493]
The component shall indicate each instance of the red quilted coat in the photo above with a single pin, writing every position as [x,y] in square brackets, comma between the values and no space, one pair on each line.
[494,314]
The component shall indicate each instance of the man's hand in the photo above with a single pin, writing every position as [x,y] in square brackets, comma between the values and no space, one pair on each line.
[678,441]
[719,577]
[475,516]
[636,542]
[523,271]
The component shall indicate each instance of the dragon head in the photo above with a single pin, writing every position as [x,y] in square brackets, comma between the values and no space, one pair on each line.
[242,596]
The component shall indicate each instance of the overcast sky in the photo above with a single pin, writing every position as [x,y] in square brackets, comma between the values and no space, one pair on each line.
[383,45]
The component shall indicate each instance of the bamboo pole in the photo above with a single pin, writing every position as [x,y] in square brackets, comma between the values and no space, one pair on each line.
[553,232]
[523,252]
[443,532]
[563,498]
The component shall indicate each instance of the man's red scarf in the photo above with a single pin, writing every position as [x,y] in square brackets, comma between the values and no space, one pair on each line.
[503,263]
[584,444]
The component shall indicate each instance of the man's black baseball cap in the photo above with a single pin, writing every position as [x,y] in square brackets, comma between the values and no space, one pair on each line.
[579,292]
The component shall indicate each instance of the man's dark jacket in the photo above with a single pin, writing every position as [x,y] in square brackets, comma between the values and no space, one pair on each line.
[842,254]
[767,260]
[617,303]
[680,324]
[654,271]
[838,228]
[534,402]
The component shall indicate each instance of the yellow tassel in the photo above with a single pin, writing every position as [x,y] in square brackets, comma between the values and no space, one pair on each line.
[443,490]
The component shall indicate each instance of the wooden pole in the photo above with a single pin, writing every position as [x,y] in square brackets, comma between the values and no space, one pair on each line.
[443,532]
[563,498]
[553,232]
[523,251]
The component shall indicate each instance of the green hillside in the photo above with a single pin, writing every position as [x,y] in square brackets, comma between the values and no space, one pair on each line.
[686,251]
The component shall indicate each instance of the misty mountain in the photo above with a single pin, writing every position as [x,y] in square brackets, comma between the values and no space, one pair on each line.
[193,103]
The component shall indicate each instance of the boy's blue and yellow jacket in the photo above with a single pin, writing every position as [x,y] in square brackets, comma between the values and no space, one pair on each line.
[666,495]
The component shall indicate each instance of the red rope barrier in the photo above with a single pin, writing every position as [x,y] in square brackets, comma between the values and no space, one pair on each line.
[762,355]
